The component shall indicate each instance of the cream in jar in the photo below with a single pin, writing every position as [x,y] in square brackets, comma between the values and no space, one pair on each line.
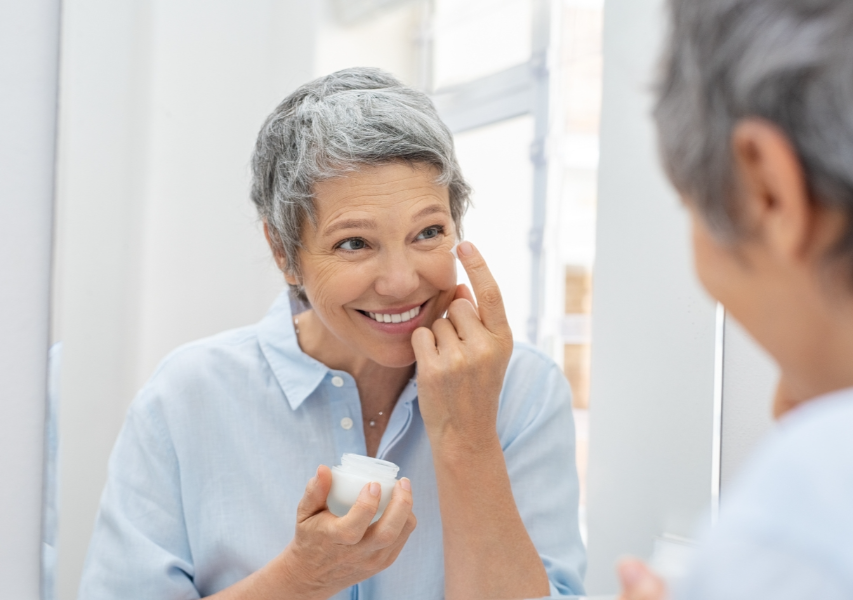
[350,477]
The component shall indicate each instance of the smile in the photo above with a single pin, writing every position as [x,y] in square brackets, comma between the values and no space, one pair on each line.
[394,318]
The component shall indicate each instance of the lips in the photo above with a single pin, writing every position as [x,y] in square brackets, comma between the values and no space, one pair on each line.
[402,317]
[398,320]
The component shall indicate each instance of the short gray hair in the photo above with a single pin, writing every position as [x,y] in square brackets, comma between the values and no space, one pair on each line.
[789,62]
[335,125]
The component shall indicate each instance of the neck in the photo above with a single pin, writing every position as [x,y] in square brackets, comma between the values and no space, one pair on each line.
[818,362]
[375,382]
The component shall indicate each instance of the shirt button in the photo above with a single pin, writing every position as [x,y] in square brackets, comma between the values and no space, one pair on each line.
[346,423]
[339,382]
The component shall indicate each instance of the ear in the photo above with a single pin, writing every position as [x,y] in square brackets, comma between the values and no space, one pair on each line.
[280,259]
[772,188]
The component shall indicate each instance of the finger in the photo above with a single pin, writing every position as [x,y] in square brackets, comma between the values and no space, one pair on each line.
[387,529]
[463,316]
[351,527]
[393,551]
[423,343]
[639,582]
[464,292]
[316,492]
[445,334]
[489,300]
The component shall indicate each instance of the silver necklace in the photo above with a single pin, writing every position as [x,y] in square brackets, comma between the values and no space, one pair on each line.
[372,422]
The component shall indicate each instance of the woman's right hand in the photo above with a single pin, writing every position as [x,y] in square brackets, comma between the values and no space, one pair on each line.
[328,553]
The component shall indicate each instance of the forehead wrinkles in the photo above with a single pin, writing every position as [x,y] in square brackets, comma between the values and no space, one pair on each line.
[380,201]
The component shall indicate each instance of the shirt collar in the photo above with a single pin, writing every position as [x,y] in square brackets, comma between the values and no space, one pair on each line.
[297,373]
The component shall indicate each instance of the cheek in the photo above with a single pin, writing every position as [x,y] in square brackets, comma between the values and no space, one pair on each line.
[330,283]
[714,264]
[439,270]
[700,257]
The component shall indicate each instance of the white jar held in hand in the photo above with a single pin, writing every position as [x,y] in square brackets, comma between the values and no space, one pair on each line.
[350,477]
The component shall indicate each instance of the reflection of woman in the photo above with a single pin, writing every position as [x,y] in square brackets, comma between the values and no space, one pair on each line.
[755,116]
[362,200]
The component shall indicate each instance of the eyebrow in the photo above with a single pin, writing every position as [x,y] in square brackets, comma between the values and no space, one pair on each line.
[370,224]
[350,224]
[430,210]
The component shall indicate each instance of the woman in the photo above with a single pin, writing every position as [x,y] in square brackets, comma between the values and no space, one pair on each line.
[756,124]
[362,200]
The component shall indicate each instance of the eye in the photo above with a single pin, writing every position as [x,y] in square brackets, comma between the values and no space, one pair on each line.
[352,244]
[431,232]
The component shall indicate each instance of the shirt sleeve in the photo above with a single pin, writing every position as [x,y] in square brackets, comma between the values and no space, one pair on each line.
[537,434]
[139,547]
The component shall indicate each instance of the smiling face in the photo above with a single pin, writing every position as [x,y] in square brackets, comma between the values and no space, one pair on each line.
[378,264]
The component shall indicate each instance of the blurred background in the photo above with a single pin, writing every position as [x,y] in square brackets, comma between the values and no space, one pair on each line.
[156,241]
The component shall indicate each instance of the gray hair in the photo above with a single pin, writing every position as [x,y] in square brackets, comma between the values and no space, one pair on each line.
[789,62]
[335,125]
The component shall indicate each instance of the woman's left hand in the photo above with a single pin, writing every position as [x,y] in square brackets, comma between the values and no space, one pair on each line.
[639,582]
[462,361]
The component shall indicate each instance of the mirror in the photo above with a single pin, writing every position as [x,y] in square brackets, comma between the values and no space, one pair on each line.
[157,243]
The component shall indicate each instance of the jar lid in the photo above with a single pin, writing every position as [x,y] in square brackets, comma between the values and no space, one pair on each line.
[370,467]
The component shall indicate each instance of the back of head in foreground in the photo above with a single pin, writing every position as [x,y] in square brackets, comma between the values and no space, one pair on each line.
[755,121]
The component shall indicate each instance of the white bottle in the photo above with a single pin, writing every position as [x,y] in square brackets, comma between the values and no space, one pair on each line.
[354,472]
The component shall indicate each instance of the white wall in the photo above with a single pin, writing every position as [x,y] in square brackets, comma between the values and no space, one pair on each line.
[29,49]
[158,242]
[388,39]
[652,382]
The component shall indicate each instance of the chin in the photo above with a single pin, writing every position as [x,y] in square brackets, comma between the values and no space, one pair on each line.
[395,357]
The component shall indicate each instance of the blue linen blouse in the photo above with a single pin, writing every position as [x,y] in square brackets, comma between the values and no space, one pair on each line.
[216,450]
[786,526]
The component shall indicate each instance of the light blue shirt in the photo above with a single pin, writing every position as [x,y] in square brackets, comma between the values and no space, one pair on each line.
[218,446]
[786,526]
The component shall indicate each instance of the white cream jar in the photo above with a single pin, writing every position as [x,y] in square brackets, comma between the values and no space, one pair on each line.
[354,472]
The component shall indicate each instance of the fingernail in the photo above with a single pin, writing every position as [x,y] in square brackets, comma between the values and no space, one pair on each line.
[453,250]
[374,489]
[465,248]
[406,484]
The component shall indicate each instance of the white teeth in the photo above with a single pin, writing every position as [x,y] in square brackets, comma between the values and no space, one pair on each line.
[410,314]
[396,318]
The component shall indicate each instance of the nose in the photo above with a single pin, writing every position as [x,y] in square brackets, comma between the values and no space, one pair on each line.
[397,276]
